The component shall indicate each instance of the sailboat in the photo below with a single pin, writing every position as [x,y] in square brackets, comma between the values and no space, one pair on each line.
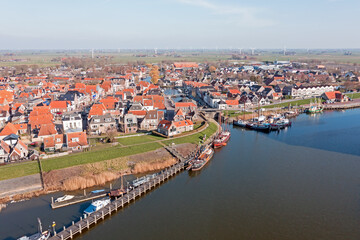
[260,125]
[118,192]
[241,123]
[223,137]
[41,235]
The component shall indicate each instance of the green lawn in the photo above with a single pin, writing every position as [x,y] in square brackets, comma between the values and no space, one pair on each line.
[234,113]
[18,170]
[134,140]
[96,156]
[353,95]
[293,103]
[195,138]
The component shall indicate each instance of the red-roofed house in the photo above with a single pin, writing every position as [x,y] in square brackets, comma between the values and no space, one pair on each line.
[232,104]
[77,141]
[59,106]
[98,109]
[8,129]
[335,96]
[172,128]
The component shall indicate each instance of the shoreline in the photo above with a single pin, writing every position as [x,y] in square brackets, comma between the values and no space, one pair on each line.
[100,173]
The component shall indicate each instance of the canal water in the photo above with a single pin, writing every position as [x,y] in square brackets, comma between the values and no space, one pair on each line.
[301,183]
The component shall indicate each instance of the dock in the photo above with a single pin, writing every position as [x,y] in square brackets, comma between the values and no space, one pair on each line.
[77,199]
[91,220]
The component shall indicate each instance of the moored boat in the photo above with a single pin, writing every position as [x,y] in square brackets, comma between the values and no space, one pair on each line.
[222,139]
[41,235]
[97,205]
[240,123]
[64,198]
[201,161]
[264,127]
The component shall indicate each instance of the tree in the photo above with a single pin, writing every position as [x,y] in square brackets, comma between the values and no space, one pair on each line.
[212,69]
[110,135]
[154,74]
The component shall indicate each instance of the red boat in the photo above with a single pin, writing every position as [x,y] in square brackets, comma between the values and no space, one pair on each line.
[223,137]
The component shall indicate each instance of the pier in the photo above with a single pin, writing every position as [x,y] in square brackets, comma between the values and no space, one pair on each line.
[86,222]
[77,199]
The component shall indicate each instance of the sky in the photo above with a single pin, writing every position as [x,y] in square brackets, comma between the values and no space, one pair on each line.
[181,24]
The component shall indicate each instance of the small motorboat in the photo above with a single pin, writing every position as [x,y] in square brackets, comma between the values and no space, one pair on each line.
[98,191]
[97,205]
[64,198]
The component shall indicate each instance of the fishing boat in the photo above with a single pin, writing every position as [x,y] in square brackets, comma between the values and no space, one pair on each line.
[97,205]
[41,235]
[223,137]
[240,123]
[263,127]
[64,198]
[317,108]
[201,161]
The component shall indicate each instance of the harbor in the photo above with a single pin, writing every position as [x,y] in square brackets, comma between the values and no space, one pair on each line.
[246,170]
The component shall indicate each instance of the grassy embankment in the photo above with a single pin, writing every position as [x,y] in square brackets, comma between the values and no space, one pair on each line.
[131,146]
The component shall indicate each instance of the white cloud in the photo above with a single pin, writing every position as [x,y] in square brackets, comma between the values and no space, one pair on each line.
[236,14]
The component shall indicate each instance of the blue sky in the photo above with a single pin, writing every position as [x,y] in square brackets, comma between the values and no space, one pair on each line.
[112,24]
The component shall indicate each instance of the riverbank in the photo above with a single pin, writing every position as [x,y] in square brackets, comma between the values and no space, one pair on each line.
[100,173]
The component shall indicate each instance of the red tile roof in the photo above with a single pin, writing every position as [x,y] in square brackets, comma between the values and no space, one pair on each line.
[47,129]
[73,137]
[9,129]
[184,104]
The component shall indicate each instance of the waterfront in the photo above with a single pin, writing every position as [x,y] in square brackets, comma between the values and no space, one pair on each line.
[301,183]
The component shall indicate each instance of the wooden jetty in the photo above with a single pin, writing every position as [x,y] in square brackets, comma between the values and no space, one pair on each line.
[77,199]
[91,220]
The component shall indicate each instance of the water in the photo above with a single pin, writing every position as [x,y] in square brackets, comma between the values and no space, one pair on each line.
[302,183]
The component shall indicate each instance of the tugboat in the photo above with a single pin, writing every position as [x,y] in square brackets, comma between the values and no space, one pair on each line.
[201,161]
[223,137]
[97,205]
[41,235]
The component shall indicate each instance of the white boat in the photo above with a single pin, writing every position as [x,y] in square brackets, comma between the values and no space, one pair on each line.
[41,235]
[64,198]
[97,205]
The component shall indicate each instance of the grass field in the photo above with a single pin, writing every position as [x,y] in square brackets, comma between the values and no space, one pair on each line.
[293,103]
[234,113]
[51,58]
[146,144]
[353,95]
[195,138]
[96,156]
[18,170]
[134,140]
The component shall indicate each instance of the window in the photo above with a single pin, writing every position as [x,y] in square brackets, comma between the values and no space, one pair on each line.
[58,140]
[75,139]
[97,120]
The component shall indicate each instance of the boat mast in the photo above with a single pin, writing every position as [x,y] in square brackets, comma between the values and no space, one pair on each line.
[40,227]
[122,181]
[219,120]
